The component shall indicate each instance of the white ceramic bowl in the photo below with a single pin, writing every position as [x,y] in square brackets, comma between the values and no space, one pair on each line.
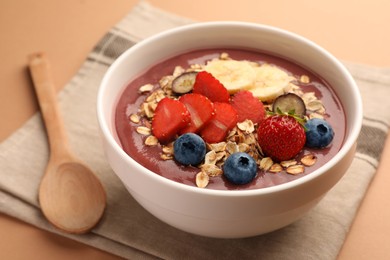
[216,213]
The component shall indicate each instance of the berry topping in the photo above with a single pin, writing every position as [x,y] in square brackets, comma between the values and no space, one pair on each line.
[281,137]
[213,123]
[201,110]
[319,133]
[248,107]
[184,83]
[210,87]
[240,168]
[189,149]
[289,103]
[170,117]
[223,121]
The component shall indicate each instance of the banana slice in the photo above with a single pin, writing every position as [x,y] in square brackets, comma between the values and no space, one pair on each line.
[233,74]
[265,81]
[270,82]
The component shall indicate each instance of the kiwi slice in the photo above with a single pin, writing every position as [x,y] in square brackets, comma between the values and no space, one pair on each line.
[289,102]
[184,83]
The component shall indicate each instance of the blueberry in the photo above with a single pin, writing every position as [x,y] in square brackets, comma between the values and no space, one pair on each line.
[319,133]
[240,168]
[189,149]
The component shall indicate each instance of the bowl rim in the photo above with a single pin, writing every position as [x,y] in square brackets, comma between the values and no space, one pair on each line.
[348,144]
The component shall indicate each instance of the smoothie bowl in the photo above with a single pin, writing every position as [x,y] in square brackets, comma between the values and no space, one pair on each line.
[228,129]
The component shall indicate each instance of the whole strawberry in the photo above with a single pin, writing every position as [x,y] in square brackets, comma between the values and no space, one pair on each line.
[281,137]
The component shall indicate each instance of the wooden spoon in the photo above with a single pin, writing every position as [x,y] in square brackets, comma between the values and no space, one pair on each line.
[70,195]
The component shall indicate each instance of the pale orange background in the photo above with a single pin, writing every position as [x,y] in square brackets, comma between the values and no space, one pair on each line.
[67,30]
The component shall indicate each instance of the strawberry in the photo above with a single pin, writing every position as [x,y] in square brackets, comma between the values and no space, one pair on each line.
[248,106]
[281,137]
[170,116]
[201,110]
[206,85]
[224,120]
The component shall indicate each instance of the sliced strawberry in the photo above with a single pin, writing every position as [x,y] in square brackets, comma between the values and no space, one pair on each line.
[201,110]
[224,120]
[248,106]
[170,117]
[206,85]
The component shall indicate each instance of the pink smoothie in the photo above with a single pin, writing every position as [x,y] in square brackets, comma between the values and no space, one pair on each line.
[149,156]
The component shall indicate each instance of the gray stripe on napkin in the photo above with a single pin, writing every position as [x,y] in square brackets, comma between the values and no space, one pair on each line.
[112,45]
[371,141]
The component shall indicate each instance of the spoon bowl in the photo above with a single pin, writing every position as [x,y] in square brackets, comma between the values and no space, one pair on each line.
[68,197]
[71,196]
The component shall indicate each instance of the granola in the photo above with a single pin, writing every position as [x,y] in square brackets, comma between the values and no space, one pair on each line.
[241,138]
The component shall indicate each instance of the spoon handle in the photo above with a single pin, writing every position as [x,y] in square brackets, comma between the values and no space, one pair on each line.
[41,75]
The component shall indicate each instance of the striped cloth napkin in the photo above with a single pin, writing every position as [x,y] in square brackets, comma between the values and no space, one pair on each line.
[128,230]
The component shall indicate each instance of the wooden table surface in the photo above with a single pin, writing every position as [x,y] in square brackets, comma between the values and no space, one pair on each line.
[355,31]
